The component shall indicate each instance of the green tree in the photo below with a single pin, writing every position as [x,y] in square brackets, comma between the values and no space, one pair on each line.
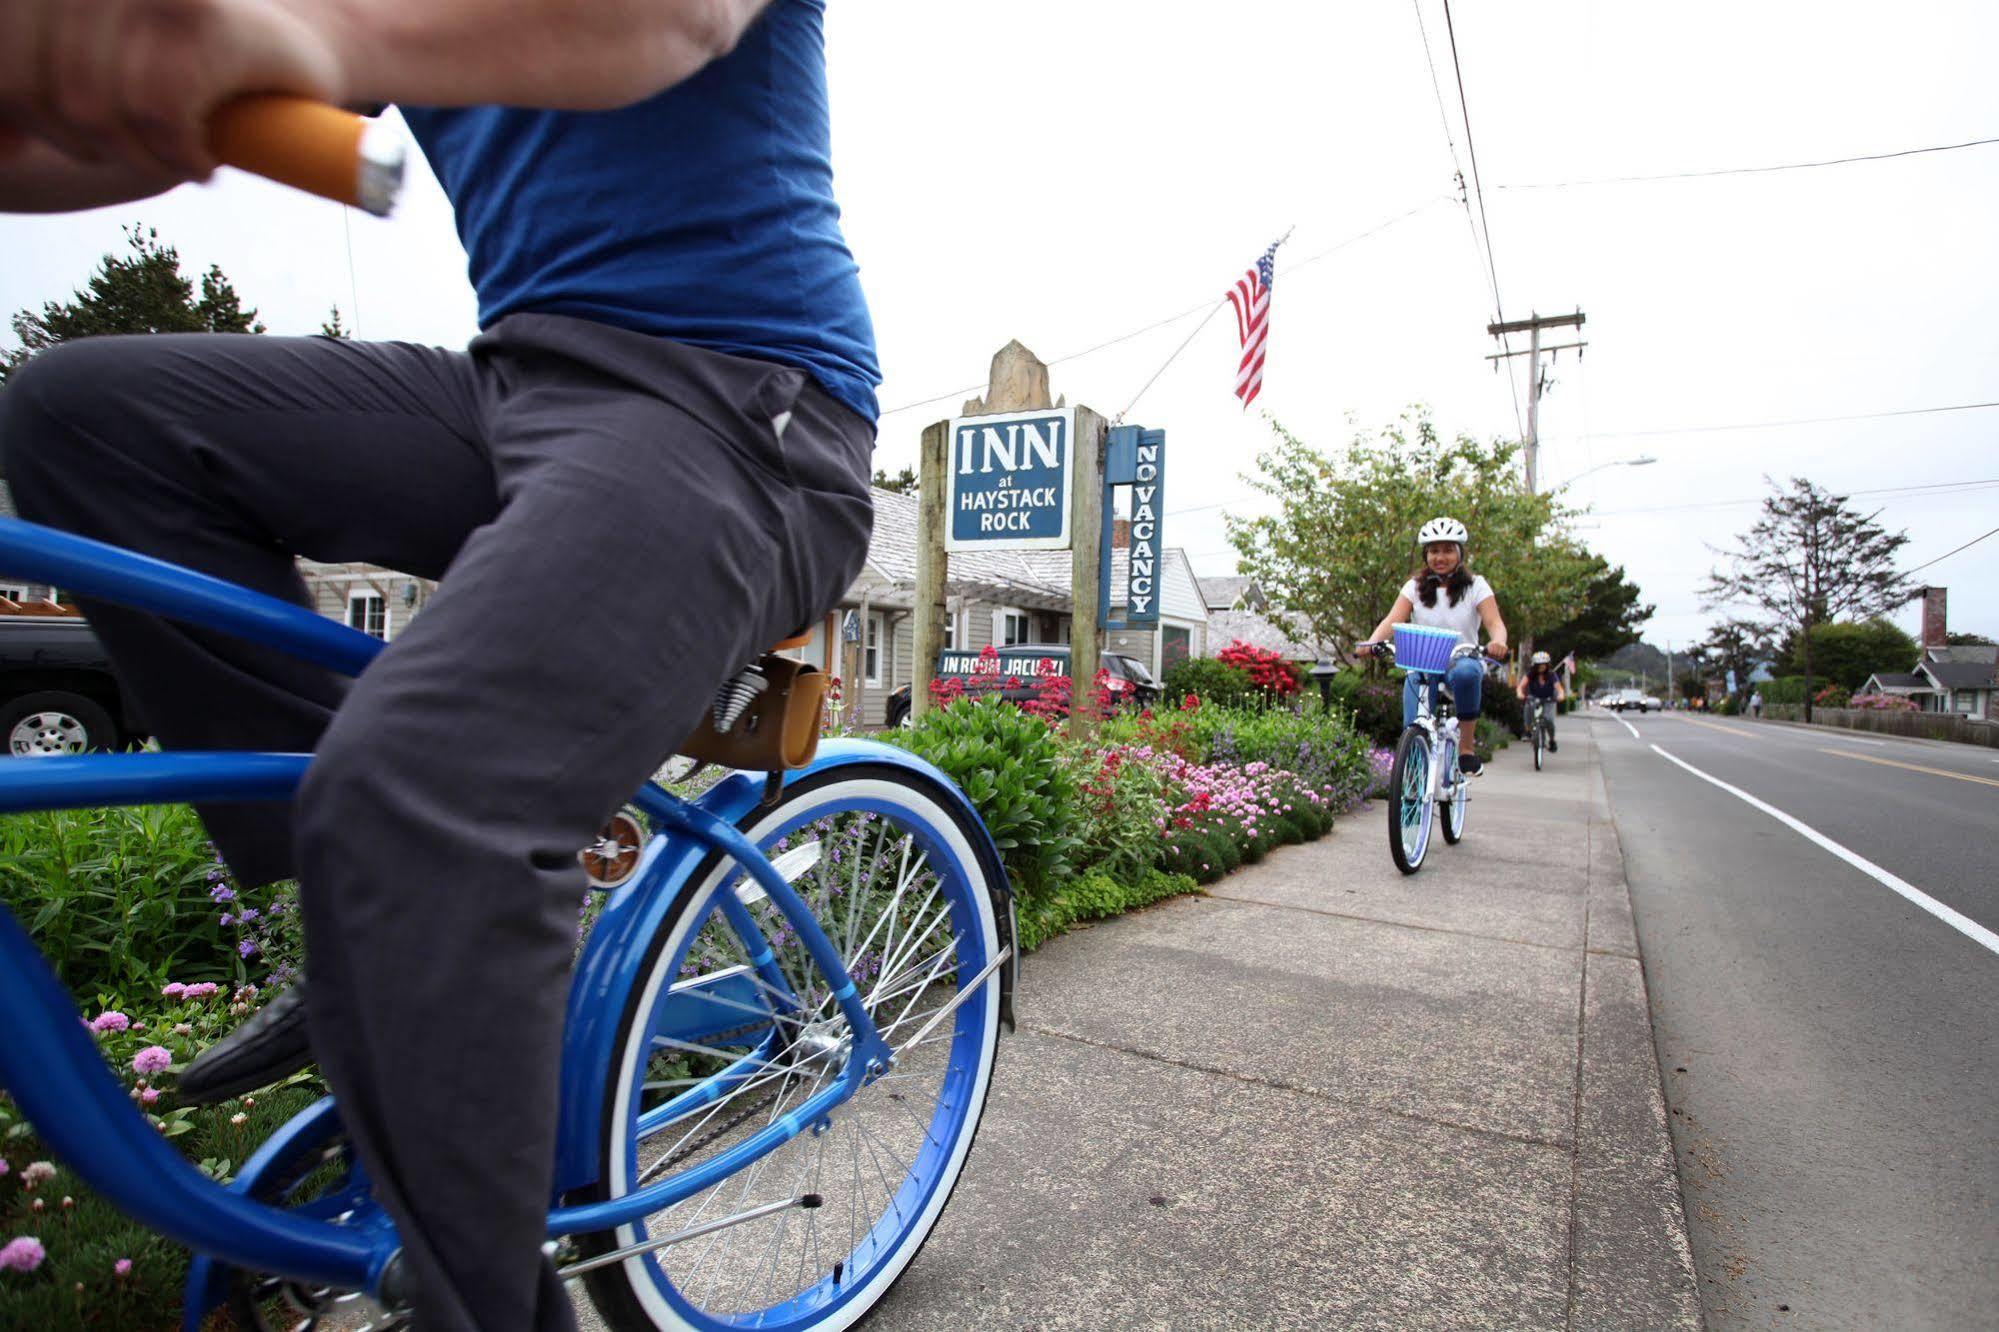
[1334,558]
[333,328]
[902,483]
[1809,559]
[142,291]
[1967,640]
[1848,653]
[1735,645]
[1610,618]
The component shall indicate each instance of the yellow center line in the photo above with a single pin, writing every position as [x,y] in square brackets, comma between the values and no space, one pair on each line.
[1713,726]
[1912,767]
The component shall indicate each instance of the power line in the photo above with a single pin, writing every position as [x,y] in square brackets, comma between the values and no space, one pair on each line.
[1798,421]
[1947,554]
[1484,255]
[1205,307]
[1922,491]
[1748,170]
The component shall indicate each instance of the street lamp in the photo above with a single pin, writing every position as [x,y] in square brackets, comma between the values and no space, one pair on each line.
[1642,460]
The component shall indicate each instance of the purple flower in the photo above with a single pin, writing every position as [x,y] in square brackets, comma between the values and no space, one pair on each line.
[200,990]
[249,914]
[4,1167]
[174,990]
[22,1254]
[110,1020]
[246,949]
[226,920]
[153,1059]
[222,892]
[123,1267]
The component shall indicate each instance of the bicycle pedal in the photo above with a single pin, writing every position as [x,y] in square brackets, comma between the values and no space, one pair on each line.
[614,857]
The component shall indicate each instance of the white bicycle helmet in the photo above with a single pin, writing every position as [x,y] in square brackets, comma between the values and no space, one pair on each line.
[1540,659]
[1444,529]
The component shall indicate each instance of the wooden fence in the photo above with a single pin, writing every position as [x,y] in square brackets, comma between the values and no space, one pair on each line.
[1924,725]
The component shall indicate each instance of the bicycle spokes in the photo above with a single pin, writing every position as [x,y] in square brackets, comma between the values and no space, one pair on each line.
[738,1047]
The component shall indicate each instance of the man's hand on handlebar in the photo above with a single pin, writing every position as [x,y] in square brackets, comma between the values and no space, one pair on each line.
[109,83]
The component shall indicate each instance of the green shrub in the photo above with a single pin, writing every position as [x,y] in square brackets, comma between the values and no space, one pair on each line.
[1120,805]
[1499,702]
[1209,680]
[89,884]
[1377,710]
[1098,895]
[1010,765]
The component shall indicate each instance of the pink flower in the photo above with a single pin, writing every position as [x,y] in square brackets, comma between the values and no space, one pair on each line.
[153,1059]
[174,990]
[35,1172]
[22,1254]
[149,1095]
[123,1267]
[200,991]
[110,1020]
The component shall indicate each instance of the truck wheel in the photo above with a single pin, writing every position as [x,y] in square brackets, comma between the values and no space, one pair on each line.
[54,722]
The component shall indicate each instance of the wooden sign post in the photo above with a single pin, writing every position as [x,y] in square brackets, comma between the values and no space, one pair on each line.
[1017,382]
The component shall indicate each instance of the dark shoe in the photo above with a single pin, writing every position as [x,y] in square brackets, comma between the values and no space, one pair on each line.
[270,1046]
[1552,746]
[1470,765]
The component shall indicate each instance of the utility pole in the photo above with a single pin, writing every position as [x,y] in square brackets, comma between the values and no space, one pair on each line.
[1531,446]
[1532,326]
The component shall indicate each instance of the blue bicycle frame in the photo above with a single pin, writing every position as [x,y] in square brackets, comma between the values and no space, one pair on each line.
[52,1067]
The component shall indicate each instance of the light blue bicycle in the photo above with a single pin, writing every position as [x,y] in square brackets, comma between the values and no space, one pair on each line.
[781,1029]
[1426,777]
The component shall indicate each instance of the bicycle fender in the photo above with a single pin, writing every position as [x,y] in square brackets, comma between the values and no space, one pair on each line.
[608,972]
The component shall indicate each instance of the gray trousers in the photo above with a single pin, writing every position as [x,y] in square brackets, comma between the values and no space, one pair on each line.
[618,522]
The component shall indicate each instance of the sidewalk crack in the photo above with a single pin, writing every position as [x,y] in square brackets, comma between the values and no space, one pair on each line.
[1273,1084]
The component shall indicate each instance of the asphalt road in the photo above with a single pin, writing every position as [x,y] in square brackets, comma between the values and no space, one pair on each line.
[1828,1046]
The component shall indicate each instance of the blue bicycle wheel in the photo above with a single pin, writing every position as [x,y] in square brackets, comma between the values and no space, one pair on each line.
[1409,801]
[815,1233]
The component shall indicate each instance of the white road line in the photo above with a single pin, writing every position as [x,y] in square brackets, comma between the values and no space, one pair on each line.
[1628,726]
[1856,740]
[1963,924]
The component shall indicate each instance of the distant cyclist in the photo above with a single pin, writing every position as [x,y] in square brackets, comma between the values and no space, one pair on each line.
[1542,683]
[1443,593]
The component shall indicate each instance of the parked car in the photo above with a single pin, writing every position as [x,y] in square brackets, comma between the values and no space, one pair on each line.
[57,692]
[1021,667]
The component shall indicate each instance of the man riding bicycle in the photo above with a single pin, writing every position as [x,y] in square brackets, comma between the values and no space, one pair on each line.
[652,463]
[1545,687]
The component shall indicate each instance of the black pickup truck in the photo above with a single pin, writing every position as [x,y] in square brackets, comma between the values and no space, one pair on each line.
[57,692]
[1021,668]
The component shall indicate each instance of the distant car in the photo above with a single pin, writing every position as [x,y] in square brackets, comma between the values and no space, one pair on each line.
[1620,700]
[1126,679]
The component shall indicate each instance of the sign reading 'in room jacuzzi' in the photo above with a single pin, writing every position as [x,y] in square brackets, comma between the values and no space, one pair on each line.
[1010,477]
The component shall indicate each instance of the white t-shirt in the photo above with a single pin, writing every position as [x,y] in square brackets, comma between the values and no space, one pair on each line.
[1461,619]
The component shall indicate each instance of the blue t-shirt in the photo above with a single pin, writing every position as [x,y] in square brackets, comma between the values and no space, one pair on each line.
[704,214]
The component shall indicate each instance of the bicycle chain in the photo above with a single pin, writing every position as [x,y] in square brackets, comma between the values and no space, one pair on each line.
[736,1120]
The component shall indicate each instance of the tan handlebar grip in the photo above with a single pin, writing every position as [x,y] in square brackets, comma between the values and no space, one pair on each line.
[313,147]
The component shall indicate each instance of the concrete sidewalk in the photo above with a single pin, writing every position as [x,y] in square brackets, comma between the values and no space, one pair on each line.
[1329,1096]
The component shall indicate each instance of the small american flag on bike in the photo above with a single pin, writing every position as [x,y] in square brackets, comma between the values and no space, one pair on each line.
[1251,299]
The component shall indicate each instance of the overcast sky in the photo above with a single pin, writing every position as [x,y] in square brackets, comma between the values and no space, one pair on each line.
[1065,173]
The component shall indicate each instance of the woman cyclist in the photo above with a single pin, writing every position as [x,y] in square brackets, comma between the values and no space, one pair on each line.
[1541,682]
[1443,593]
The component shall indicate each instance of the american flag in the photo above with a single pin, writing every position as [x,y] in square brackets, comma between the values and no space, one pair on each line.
[1251,298]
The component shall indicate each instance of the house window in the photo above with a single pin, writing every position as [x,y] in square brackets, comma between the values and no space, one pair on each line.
[13,592]
[1010,627]
[1176,643]
[951,631]
[368,612]
[871,653]
[1067,625]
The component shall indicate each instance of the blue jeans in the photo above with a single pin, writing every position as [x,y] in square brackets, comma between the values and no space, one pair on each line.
[1466,678]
